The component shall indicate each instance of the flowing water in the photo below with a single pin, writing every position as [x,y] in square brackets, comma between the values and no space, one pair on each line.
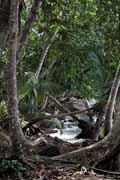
[70,131]
[70,128]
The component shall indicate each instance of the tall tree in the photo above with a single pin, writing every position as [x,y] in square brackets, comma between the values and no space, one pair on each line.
[111,102]
[16,133]
[28,24]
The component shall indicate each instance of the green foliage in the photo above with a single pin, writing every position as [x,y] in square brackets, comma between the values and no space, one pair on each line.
[3,109]
[28,95]
[86,47]
[86,50]
[12,166]
[32,93]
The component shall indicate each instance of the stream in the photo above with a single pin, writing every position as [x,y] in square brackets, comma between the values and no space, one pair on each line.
[70,131]
[70,128]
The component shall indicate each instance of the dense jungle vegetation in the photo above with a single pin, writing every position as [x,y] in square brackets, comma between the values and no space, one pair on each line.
[51,50]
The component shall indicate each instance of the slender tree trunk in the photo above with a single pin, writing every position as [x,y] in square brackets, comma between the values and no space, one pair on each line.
[98,152]
[111,101]
[45,52]
[106,147]
[16,133]
[97,127]
[28,24]
[46,73]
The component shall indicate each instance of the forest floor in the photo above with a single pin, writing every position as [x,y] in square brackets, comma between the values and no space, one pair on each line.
[52,146]
[68,173]
[76,174]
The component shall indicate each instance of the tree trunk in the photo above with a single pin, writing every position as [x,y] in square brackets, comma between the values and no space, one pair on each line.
[98,125]
[45,52]
[15,130]
[28,24]
[109,145]
[111,101]
[99,151]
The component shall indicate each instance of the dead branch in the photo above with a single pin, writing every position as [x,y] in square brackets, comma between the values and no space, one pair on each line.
[59,105]
[40,117]
[49,160]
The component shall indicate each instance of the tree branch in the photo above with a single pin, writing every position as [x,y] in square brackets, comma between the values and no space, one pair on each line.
[40,117]
[60,106]
[28,24]
[48,70]
[37,74]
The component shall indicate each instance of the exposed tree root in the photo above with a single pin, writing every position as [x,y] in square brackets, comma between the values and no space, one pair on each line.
[98,152]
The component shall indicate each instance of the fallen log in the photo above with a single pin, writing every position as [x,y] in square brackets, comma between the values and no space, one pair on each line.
[43,116]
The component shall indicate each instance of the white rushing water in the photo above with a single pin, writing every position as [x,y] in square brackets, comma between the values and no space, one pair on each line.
[70,131]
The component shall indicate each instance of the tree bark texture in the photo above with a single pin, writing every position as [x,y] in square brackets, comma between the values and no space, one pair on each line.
[15,130]
[28,24]
[111,101]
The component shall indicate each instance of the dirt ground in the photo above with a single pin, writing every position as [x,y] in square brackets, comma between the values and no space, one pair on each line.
[71,173]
